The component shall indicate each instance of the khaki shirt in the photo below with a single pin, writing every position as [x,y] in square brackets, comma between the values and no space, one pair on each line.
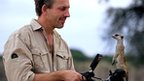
[26,53]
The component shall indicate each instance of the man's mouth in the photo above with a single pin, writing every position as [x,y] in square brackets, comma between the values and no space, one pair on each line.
[62,20]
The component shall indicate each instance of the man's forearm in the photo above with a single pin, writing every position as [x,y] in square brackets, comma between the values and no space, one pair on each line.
[53,76]
[64,75]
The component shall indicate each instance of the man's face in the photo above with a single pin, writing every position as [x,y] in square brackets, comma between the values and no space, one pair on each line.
[57,15]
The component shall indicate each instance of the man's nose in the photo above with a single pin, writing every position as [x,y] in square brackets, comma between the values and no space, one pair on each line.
[67,14]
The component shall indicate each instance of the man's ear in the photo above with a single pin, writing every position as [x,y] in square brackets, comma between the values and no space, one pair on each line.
[44,9]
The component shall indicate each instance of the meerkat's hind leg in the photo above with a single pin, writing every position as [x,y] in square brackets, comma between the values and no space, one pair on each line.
[114,59]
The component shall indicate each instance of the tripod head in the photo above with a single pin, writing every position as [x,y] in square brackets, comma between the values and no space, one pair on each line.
[116,76]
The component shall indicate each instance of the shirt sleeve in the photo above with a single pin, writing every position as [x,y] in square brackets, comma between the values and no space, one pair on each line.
[17,60]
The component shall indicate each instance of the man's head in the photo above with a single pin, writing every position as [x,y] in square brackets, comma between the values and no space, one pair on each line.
[40,3]
[52,12]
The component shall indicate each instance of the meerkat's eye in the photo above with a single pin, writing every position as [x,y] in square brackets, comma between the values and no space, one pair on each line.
[122,37]
[116,35]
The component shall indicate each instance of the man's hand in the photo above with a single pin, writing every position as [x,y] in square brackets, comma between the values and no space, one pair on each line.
[69,75]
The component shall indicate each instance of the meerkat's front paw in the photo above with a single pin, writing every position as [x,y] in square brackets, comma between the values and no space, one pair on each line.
[113,62]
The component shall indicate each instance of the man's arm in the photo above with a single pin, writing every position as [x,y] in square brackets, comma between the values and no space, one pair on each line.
[18,64]
[64,75]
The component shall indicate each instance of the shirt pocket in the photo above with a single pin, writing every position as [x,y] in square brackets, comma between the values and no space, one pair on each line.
[39,59]
[62,59]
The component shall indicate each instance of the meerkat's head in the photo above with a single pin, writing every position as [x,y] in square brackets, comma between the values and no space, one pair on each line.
[118,36]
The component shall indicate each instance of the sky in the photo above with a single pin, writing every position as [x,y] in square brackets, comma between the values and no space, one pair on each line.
[83,30]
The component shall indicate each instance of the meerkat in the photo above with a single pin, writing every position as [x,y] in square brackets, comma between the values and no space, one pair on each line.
[119,58]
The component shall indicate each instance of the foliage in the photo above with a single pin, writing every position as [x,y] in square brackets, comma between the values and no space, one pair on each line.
[79,55]
[107,58]
[0,58]
[2,73]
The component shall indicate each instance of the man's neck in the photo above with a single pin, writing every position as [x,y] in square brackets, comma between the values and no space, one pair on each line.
[46,26]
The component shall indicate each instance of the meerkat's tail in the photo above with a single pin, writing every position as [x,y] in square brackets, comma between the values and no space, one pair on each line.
[127,77]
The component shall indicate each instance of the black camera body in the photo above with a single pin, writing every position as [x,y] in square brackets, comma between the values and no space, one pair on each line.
[88,76]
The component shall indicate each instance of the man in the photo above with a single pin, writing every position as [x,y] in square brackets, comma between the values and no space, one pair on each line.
[36,52]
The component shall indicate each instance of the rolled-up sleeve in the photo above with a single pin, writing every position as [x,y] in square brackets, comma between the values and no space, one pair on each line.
[17,60]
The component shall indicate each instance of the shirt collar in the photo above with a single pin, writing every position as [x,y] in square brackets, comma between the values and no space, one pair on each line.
[35,25]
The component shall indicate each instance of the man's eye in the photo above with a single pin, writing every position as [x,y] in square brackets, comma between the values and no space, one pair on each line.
[62,8]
